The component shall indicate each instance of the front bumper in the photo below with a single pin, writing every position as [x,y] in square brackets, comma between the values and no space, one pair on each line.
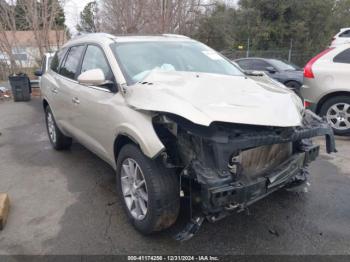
[224,190]
[237,196]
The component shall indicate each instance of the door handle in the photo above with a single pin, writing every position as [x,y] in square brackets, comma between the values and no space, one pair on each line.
[75,100]
[54,90]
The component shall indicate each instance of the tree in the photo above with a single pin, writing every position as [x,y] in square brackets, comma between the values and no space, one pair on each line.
[151,16]
[274,25]
[88,19]
[41,17]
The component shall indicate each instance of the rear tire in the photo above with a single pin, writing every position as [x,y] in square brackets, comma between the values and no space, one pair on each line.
[337,112]
[57,139]
[161,186]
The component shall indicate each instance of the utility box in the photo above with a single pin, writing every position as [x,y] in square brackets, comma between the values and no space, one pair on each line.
[21,88]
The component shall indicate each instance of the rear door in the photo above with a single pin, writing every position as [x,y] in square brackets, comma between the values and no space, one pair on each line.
[341,70]
[94,111]
[67,87]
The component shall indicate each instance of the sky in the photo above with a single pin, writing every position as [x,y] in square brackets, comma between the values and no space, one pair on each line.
[72,9]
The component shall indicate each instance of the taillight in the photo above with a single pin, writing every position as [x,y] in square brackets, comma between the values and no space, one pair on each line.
[307,104]
[308,68]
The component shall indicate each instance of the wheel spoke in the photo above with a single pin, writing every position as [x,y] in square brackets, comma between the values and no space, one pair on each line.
[143,195]
[138,210]
[142,205]
[140,184]
[347,123]
[129,201]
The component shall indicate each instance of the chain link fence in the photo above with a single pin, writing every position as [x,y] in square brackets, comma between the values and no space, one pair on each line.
[295,57]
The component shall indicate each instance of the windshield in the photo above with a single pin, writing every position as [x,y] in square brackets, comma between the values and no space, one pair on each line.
[138,59]
[283,65]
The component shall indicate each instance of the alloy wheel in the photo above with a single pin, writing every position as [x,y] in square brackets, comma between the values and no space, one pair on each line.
[134,188]
[51,127]
[338,116]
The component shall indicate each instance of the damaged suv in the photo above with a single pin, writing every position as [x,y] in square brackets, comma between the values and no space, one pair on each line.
[178,120]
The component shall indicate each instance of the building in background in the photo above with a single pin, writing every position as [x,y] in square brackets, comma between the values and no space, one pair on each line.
[24,47]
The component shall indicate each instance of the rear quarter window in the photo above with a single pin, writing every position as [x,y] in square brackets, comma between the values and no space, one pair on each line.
[343,57]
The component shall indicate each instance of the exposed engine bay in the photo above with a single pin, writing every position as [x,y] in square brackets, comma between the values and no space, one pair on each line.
[226,167]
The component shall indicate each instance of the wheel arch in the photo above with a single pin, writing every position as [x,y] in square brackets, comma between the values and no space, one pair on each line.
[123,139]
[120,141]
[328,96]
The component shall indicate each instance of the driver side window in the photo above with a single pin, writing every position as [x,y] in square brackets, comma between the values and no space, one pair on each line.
[94,58]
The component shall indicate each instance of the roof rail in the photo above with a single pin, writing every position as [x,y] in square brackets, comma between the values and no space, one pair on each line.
[175,35]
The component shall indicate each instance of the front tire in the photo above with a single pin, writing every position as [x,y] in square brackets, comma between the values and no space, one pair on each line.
[57,139]
[148,190]
[337,112]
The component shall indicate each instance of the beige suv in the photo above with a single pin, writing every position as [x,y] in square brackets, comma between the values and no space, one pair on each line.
[175,119]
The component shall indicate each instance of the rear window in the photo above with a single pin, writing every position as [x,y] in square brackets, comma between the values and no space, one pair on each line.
[56,60]
[343,57]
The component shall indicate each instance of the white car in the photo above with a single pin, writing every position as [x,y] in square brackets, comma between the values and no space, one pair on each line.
[326,87]
[176,119]
[342,37]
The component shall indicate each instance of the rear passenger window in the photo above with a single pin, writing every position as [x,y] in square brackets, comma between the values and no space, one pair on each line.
[343,57]
[56,60]
[71,63]
[94,58]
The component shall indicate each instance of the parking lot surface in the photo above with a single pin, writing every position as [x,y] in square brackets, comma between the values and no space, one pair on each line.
[66,203]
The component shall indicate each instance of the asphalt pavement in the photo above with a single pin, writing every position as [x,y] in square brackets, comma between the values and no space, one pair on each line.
[66,203]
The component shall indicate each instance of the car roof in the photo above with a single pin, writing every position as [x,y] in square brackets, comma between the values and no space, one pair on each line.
[104,38]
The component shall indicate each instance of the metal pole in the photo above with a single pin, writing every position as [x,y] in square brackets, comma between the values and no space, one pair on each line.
[248,47]
[290,51]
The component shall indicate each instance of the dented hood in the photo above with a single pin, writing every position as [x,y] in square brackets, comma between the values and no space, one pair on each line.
[205,98]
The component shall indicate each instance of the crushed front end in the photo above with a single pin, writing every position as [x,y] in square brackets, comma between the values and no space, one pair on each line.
[226,167]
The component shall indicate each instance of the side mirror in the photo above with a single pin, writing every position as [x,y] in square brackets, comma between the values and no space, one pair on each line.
[38,72]
[93,77]
[271,70]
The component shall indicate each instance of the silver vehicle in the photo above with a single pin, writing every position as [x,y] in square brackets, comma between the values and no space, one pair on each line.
[45,65]
[326,87]
[176,119]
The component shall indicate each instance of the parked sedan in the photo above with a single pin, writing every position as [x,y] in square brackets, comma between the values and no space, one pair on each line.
[326,87]
[176,119]
[284,72]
